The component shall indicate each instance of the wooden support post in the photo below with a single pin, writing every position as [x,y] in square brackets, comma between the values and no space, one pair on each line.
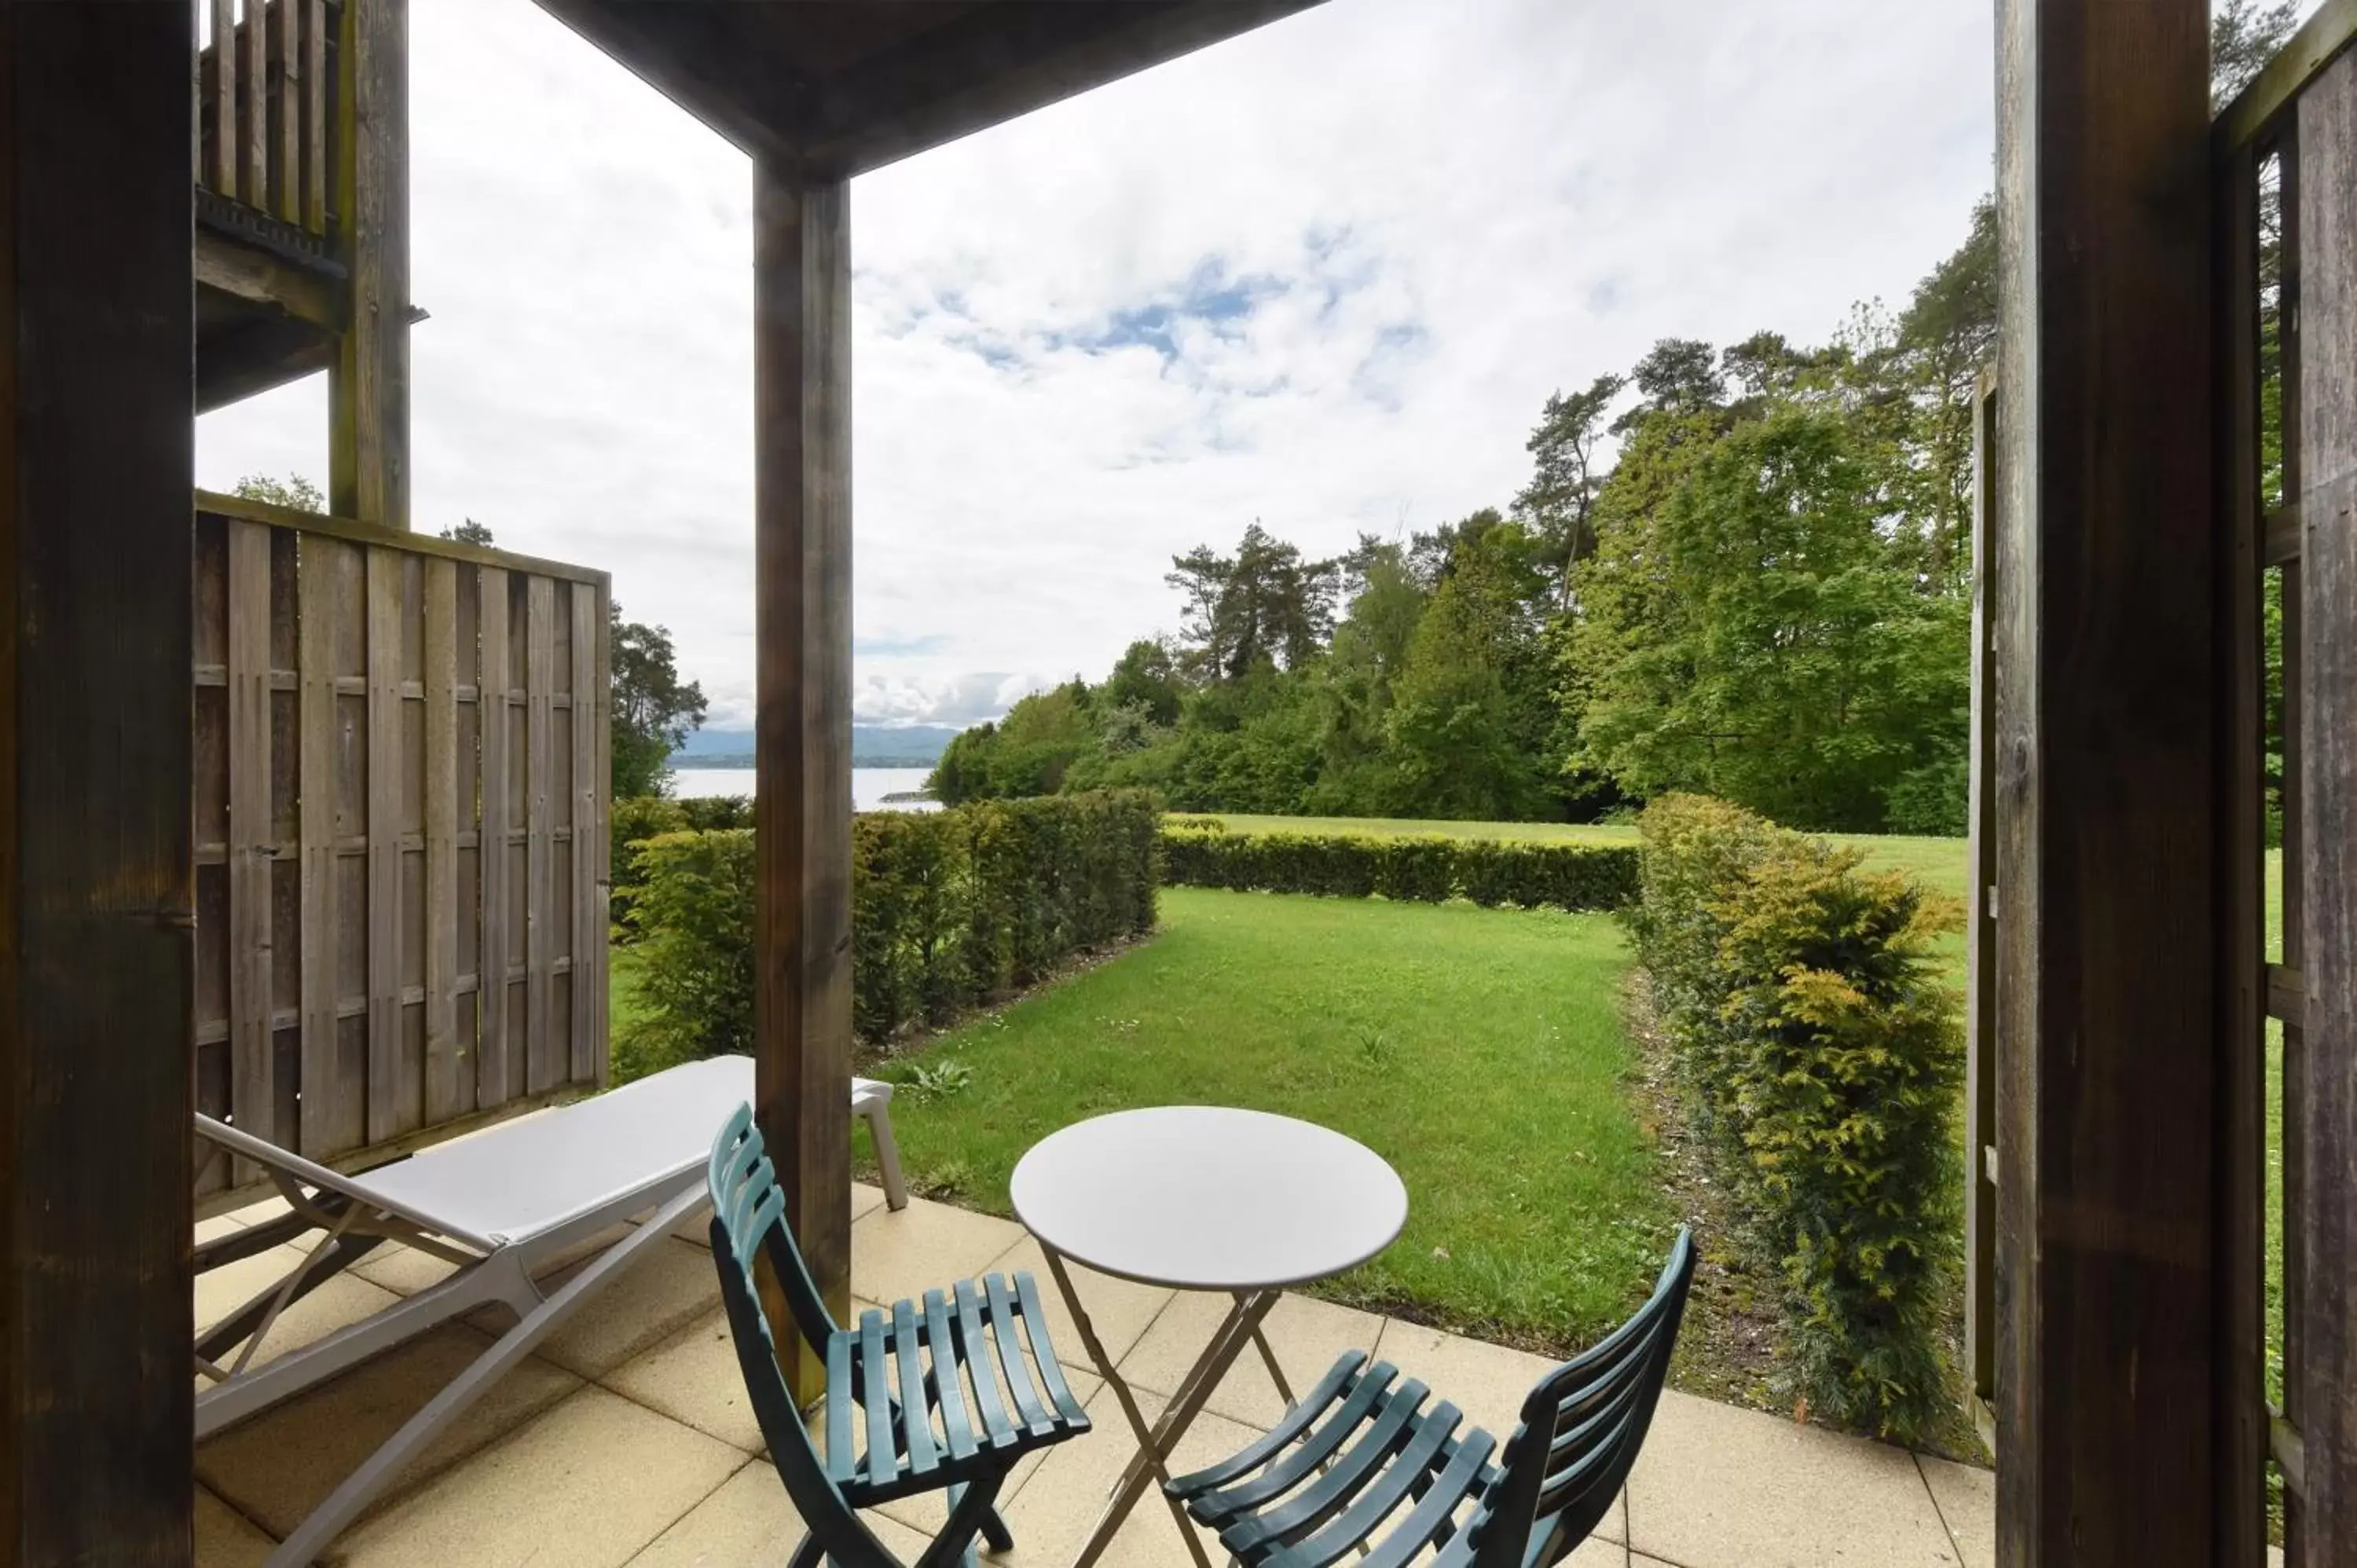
[96,882]
[801,924]
[2109,937]
[368,459]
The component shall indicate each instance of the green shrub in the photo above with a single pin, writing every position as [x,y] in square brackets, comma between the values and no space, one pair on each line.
[634,819]
[1819,1054]
[694,909]
[1428,870]
[948,908]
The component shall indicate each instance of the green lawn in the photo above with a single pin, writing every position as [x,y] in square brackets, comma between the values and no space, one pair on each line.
[1478,1050]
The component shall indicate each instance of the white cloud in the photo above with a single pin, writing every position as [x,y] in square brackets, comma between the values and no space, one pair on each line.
[1323,274]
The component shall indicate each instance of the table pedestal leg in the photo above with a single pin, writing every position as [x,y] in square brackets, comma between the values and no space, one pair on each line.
[1125,1498]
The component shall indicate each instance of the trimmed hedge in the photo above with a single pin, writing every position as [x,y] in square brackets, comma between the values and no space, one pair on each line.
[948,909]
[1428,870]
[1819,1055]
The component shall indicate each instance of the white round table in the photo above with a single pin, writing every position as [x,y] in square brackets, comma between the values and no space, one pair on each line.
[1204,1198]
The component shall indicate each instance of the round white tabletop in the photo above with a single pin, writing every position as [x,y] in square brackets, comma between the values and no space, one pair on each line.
[1209,1197]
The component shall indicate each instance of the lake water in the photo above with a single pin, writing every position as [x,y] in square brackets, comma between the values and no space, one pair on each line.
[868,786]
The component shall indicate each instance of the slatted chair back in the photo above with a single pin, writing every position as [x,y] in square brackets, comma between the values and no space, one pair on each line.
[1581,1428]
[748,1220]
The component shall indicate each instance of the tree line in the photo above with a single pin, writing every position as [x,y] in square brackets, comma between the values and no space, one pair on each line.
[1741,570]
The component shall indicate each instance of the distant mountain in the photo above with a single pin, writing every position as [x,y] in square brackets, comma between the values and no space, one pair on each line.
[872,745]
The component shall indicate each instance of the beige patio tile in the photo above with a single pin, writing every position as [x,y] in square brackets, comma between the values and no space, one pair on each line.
[751,1519]
[1487,1382]
[1305,1334]
[338,1303]
[668,1287]
[1059,1501]
[1597,1553]
[693,1377]
[278,1466]
[1119,1310]
[227,1539]
[1722,1488]
[1966,1497]
[219,1225]
[403,1270]
[591,1482]
[923,1246]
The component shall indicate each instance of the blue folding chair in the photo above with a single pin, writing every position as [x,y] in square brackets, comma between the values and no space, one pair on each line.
[941,1392]
[1360,1451]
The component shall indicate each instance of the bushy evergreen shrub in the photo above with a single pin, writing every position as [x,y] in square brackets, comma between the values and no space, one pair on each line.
[1426,870]
[1820,1054]
[949,909]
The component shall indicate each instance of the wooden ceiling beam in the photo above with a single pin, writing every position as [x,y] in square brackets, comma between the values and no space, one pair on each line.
[1000,62]
[759,75]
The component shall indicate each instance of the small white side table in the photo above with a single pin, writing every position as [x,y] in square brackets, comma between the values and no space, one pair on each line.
[1202,1198]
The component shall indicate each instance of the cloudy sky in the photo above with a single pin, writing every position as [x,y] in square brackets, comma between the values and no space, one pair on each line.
[1323,276]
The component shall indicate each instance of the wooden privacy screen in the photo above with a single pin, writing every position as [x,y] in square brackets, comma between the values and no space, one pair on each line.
[401,802]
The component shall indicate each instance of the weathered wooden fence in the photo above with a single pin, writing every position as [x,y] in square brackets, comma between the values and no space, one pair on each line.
[401,799]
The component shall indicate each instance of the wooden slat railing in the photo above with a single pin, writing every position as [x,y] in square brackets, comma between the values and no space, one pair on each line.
[264,119]
[400,789]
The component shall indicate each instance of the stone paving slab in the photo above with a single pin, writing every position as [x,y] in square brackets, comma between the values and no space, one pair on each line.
[1721,1488]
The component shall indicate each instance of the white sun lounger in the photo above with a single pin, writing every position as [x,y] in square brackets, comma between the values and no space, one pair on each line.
[500,1205]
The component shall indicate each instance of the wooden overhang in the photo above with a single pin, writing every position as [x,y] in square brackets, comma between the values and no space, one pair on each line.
[842,87]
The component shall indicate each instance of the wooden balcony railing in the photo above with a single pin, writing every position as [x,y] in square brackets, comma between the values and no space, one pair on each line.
[265,108]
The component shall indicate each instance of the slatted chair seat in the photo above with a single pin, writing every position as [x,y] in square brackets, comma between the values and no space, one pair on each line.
[1368,1460]
[936,1394]
[889,1366]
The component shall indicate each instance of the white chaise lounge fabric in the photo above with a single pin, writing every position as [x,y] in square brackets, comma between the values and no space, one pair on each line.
[502,1205]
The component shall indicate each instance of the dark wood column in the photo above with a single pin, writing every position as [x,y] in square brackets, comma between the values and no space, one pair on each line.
[96,452]
[2109,930]
[801,527]
[368,459]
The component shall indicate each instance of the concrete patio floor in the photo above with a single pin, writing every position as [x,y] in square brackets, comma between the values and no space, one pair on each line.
[627,1439]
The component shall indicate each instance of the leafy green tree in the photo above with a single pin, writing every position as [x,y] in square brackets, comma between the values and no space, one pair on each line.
[2244,36]
[1558,505]
[1677,375]
[1264,605]
[294,491]
[1470,709]
[653,709]
[1145,677]
[470,533]
[1752,638]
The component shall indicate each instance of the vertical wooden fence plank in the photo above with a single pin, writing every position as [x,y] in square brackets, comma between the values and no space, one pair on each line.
[2294,1152]
[223,44]
[449,1086]
[2327,236]
[330,1123]
[588,912]
[1980,946]
[252,1091]
[315,114]
[492,1069]
[254,113]
[287,110]
[544,1057]
[395,1082]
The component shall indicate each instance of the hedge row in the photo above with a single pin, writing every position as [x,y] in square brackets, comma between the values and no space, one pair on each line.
[636,818]
[1564,875]
[1819,1055]
[948,908]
